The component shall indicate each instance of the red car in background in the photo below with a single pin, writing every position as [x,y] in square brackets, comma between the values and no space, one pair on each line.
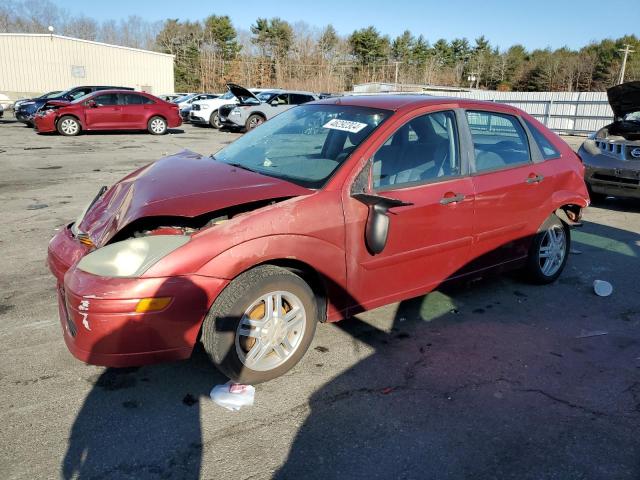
[326,210]
[108,110]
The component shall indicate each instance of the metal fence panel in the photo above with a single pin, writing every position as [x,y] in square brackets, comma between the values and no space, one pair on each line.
[563,112]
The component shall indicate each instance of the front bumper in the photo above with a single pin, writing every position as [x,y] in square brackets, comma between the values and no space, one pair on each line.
[46,123]
[233,121]
[98,314]
[198,117]
[24,117]
[611,176]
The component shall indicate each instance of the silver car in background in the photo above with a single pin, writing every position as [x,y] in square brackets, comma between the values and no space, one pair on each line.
[255,109]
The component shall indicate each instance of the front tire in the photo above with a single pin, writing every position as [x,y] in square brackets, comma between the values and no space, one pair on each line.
[254,121]
[214,120]
[549,251]
[68,126]
[157,126]
[261,325]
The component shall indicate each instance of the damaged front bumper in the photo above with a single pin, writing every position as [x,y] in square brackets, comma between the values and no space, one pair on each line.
[101,317]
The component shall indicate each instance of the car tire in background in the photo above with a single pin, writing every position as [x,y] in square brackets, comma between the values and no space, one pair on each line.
[254,121]
[68,126]
[549,251]
[157,126]
[214,120]
[261,325]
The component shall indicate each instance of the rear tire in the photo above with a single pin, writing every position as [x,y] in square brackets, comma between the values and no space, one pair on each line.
[549,251]
[214,120]
[254,121]
[157,126]
[261,325]
[68,126]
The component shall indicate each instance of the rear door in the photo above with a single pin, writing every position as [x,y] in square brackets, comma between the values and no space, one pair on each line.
[106,114]
[513,192]
[136,110]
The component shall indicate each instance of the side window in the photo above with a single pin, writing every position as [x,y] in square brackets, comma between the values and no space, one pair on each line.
[422,150]
[106,99]
[499,140]
[299,99]
[546,147]
[282,99]
[133,99]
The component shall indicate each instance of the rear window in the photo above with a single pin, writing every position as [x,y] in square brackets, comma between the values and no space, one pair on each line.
[546,148]
[499,140]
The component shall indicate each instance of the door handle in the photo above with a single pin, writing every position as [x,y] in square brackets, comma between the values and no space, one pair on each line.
[451,197]
[533,178]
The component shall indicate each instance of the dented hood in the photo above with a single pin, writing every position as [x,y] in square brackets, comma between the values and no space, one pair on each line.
[624,98]
[181,185]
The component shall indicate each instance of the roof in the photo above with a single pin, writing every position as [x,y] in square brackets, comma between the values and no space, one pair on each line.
[396,102]
[62,37]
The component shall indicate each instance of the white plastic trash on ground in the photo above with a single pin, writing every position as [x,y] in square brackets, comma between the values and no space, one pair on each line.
[233,396]
[602,288]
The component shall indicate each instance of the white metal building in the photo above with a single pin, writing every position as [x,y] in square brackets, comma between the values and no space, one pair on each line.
[38,63]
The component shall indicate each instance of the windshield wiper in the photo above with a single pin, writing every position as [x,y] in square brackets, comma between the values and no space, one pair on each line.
[237,165]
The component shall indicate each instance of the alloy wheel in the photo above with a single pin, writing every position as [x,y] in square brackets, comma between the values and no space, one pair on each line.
[553,249]
[69,126]
[270,331]
[158,125]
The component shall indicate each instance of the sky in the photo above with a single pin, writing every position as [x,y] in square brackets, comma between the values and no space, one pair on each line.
[534,24]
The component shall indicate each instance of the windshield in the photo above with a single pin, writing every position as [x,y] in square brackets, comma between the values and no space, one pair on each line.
[227,96]
[265,96]
[184,98]
[632,117]
[55,93]
[305,144]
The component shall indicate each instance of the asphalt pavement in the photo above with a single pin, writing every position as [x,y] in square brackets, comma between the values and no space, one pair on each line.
[494,378]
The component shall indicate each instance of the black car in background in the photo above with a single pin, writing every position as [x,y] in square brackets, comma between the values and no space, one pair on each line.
[26,110]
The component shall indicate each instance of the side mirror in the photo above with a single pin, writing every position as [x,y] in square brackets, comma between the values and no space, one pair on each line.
[91,104]
[377,229]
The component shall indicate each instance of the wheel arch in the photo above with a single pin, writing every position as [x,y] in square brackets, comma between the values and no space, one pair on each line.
[319,263]
[73,115]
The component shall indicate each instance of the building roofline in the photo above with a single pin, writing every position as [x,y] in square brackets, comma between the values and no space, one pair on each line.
[84,41]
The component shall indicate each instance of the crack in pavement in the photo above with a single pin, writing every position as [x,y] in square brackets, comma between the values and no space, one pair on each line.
[564,402]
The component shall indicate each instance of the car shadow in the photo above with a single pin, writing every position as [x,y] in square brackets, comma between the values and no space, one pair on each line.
[170,131]
[618,204]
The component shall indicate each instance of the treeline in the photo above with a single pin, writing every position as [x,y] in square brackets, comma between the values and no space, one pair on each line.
[278,53]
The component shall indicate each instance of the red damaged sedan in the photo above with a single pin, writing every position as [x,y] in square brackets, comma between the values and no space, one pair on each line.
[330,208]
[108,110]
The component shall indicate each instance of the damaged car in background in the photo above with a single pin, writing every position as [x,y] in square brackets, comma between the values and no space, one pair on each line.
[330,208]
[612,155]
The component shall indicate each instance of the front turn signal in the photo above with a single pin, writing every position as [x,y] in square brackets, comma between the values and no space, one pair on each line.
[152,304]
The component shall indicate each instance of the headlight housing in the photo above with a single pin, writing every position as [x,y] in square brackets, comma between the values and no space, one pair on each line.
[130,258]
[235,111]
[204,106]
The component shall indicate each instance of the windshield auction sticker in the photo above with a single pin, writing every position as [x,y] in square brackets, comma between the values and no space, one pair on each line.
[344,125]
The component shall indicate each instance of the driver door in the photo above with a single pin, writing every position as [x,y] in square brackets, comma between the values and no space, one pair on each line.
[429,239]
[106,113]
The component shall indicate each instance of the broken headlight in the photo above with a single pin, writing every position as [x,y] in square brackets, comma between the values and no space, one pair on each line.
[132,257]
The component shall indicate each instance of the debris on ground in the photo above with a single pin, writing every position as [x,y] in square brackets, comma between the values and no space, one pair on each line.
[321,349]
[233,396]
[575,251]
[602,288]
[591,333]
[37,206]
[387,390]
